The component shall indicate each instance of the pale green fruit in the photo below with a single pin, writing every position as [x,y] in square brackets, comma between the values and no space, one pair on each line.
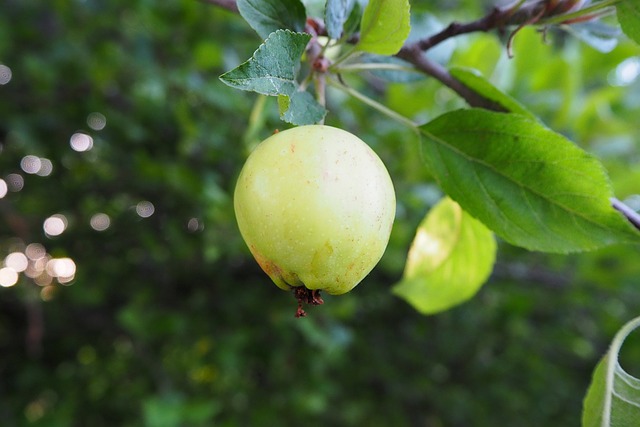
[315,205]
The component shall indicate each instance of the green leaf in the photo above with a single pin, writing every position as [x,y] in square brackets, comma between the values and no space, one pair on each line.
[353,21]
[267,16]
[284,101]
[531,186]
[272,71]
[613,398]
[451,257]
[385,26]
[273,67]
[473,80]
[300,109]
[629,18]
[336,14]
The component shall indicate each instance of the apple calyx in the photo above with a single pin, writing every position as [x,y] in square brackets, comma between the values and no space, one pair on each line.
[304,296]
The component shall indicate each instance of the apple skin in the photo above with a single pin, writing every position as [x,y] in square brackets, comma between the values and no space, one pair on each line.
[315,205]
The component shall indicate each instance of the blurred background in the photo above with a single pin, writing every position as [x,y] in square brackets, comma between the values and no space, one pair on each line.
[127,297]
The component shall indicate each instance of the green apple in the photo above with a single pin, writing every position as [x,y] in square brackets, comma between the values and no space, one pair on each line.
[315,205]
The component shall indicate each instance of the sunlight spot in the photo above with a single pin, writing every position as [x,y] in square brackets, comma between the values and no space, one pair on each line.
[36,270]
[81,142]
[8,277]
[3,188]
[145,209]
[47,293]
[46,167]
[100,221]
[5,74]
[15,182]
[62,268]
[35,251]
[43,279]
[31,164]
[626,72]
[96,121]
[17,260]
[55,225]
[194,225]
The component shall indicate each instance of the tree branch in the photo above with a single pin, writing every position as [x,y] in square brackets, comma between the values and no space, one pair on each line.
[414,55]
[494,19]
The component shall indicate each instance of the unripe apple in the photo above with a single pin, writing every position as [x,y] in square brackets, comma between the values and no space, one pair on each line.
[315,205]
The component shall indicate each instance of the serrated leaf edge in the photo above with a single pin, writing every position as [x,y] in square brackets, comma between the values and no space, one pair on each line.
[262,46]
[443,143]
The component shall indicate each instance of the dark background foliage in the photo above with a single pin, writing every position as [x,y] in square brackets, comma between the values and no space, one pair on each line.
[169,322]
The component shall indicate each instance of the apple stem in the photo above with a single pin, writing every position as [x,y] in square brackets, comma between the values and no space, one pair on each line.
[373,103]
[305,295]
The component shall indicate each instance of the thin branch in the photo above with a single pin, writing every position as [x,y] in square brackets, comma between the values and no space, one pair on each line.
[415,56]
[373,103]
[630,214]
[494,19]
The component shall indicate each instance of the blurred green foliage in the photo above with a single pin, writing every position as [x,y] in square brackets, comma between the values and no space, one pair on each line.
[169,322]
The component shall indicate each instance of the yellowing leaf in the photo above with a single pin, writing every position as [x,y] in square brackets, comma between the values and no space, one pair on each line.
[451,257]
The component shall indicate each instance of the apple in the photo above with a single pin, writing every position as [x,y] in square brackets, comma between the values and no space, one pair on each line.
[315,205]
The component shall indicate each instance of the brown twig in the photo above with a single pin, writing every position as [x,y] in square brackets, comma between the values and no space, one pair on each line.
[414,56]
[494,19]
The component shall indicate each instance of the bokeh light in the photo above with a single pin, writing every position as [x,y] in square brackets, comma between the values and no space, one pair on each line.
[626,72]
[3,188]
[8,277]
[81,142]
[5,74]
[17,261]
[31,164]
[35,251]
[43,279]
[100,221]
[64,269]
[36,270]
[15,182]
[96,121]
[46,167]
[38,265]
[145,209]
[55,225]
[194,225]
[47,293]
